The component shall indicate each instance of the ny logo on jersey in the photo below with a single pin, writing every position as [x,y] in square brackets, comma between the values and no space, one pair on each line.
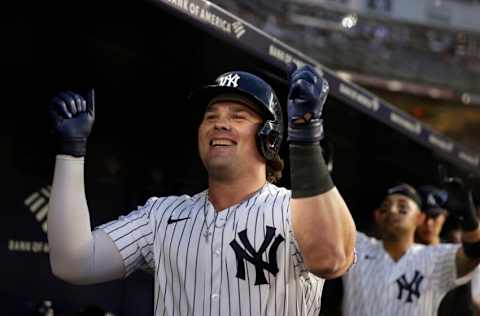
[410,287]
[255,257]
[230,80]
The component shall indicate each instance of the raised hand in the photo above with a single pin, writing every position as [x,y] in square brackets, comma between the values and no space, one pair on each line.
[72,117]
[460,203]
[306,97]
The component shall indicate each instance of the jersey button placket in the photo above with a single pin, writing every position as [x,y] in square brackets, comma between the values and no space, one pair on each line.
[216,264]
[209,218]
[221,219]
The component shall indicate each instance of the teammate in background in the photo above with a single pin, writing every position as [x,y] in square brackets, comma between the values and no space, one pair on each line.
[243,246]
[457,301]
[433,206]
[396,276]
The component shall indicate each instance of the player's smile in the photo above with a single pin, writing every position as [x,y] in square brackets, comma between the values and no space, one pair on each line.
[221,144]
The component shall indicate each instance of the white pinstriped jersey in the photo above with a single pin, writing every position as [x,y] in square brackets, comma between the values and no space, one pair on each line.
[414,285]
[249,264]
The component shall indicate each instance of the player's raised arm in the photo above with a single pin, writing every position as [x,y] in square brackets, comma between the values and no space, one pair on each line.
[76,255]
[460,204]
[322,223]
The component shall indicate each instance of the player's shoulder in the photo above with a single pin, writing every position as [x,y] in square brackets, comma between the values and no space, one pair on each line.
[442,248]
[161,204]
[274,190]
[433,250]
[363,238]
[419,249]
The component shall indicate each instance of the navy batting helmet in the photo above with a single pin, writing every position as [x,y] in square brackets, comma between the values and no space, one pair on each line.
[269,135]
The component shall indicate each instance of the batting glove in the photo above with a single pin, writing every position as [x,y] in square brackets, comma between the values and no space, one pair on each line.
[460,203]
[72,116]
[306,97]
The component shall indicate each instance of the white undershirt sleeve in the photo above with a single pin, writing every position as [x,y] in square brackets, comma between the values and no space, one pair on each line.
[76,254]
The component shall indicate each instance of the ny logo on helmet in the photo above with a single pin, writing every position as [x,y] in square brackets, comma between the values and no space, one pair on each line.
[230,80]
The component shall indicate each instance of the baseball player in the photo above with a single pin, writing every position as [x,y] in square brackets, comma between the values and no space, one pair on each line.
[433,206]
[243,246]
[457,301]
[394,275]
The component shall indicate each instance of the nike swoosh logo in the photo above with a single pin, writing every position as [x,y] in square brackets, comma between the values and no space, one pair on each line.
[171,221]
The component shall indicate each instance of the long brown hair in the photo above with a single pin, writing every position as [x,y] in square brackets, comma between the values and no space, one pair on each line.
[274,169]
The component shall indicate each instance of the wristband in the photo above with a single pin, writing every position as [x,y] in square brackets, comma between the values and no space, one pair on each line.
[308,172]
[76,147]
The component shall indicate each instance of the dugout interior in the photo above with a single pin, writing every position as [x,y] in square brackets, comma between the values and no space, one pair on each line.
[142,61]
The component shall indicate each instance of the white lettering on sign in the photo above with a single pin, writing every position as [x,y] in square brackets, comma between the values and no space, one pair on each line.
[443,144]
[468,158]
[370,103]
[411,126]
[181,4]
[215,20]
[28,246]
[284,56]
[205,15]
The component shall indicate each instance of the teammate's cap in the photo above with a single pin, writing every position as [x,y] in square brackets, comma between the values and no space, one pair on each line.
[433,200]
[406,190]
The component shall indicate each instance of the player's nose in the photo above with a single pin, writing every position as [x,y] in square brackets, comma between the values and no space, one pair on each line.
[222,123]
[393,209]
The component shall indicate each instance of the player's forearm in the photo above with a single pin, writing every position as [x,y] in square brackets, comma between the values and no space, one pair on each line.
[322,223]
[69,231]
[76,255]
[325,231]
